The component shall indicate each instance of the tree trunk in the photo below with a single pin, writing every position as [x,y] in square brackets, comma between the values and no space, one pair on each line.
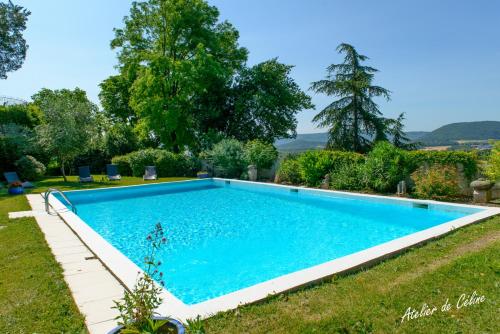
[175,146]
[63,172]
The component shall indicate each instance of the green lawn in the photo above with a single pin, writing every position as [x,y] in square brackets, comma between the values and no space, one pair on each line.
[34,297]
[376,299]
[100,181]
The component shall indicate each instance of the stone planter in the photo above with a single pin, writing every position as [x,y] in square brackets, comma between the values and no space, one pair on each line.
[172,324]
[252,173]
[481,190]
[16,190]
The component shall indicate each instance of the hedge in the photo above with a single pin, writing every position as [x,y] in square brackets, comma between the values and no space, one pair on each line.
[379,170]
[448,158]
[167,163]
[314,165]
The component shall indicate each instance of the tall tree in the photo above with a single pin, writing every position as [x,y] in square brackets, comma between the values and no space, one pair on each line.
[264,104]
[354,118]
[13,46]
[179,51]
[68,126]
[395,128]
[184,82]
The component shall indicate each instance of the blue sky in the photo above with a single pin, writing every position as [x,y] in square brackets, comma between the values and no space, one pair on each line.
[441,59]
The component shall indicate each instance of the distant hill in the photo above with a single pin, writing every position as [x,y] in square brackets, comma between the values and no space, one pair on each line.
[446,135]
[416,135]
[451,133]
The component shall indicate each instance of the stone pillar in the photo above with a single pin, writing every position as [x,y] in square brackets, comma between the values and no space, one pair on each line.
[252,173]
[463,183]
[495,191]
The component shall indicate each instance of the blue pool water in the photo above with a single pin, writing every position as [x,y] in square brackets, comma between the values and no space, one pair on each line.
[225,237]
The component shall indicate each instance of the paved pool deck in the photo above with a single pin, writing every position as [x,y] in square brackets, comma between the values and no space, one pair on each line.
[93,287]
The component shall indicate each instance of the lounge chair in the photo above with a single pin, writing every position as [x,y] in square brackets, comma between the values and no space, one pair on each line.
[150,173]
[12,177]
[84,174]
[112,171]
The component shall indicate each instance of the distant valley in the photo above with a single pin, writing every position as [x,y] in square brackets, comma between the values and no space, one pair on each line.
[447,135]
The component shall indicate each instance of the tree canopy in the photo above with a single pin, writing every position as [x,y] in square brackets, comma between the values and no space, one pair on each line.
[264,104]
[68,126]
[13,46]
[395,128]
[354,118]
[184,82]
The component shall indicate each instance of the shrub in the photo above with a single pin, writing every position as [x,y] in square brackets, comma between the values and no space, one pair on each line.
[493,165]
[260,154]
[349,176]
[385,166]
[289,171]
[228,158]
[123,163]
[28,115]
[438,181]
[29,168]
[314,165]
[171,164]
[140,159]
[167,163]
[469,160]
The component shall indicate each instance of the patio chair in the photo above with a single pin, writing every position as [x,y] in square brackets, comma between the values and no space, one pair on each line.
[84,174]
[112,171]
[150,173]
[12,177]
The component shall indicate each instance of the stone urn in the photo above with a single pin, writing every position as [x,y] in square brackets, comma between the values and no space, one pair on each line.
[252,173]
[481,190]
[325,184]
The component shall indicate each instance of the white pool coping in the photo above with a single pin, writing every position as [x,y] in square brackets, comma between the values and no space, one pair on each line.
[127,271]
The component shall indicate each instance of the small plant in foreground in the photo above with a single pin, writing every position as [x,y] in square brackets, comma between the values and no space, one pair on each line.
[195,326]
[137,306]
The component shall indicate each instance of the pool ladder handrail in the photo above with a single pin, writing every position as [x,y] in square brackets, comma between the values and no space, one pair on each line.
[54,190]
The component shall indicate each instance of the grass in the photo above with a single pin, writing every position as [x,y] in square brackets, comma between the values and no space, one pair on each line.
[34,297]
[100,181]
[375,300]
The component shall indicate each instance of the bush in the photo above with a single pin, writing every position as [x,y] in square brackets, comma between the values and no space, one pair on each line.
[436,182]
[260,154]
[469,160]
[228,158]
[289,171]
[350,176]
[167,163]
[314,165]
[123,163]
[385,166]
[27,115]
[170,164]
[493,164]
[140,159]
[29,168]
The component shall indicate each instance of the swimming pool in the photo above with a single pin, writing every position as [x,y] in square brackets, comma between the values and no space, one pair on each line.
[226,237]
